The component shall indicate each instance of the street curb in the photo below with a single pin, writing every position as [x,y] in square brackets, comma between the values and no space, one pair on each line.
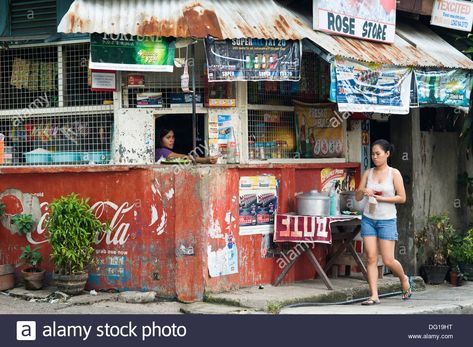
[274,306]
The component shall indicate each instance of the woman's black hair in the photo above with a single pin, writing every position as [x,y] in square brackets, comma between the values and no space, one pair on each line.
[385,145]
[161,133]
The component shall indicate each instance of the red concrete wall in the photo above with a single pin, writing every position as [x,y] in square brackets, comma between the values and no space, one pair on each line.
[137,254]
[165,221]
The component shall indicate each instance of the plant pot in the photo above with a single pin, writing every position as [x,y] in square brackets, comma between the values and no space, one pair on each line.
[434,274]
[33,279]
[454,281]
[72,284]
[7,277]
[468,270]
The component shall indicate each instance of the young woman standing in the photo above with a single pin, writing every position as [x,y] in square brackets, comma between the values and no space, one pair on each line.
[384,187]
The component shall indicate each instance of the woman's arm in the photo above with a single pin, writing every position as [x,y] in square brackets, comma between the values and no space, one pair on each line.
[362,190]
[206,160]
[174,155]
[400,197]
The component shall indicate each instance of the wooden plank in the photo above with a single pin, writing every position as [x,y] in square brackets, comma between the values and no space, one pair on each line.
[319,269]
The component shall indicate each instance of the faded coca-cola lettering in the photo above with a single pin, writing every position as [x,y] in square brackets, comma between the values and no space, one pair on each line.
[119,230]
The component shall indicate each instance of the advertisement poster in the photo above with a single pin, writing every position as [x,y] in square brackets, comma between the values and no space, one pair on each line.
[450,88]
[372,88]
[258,204]
[319,132]
[253,60]
[365,19]
[225,133]
[132,53]
[223,261]
[453,14]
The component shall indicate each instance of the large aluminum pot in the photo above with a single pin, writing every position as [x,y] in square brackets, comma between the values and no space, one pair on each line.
[348,202]
[313,203]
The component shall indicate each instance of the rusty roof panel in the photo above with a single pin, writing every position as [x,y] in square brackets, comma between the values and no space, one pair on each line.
[226,19]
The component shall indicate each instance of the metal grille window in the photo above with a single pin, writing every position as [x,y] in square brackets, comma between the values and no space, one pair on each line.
[48,140]
[271,125]
[163,89]
[28,78]
[77,77]
[314,85]
[48,113]
[271,135]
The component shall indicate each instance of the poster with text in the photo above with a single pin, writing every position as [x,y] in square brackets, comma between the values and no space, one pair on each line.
[365,19]
[319,131]
[453,14]
[258,204]
[444,87]
[372,88]
[253,60]
[132,53]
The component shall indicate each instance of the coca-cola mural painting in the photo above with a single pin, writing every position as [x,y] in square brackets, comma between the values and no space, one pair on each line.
[137,222]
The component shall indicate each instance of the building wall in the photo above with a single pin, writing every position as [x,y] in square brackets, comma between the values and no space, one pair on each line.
[165,222]
[430,163]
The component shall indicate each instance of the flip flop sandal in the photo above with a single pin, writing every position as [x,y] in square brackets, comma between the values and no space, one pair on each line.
[370,302]
[406,294]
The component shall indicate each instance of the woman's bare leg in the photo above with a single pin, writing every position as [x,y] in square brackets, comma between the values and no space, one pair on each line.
[370,248]
[387,252]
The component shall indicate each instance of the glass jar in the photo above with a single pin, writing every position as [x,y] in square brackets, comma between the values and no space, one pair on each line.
[260,150]
[279,149]
[251,150]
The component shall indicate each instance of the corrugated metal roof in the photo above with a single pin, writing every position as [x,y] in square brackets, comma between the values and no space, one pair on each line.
[226,19]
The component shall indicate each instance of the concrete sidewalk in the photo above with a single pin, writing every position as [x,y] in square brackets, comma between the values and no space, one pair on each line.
[440,299]
[255,300]
[272,299]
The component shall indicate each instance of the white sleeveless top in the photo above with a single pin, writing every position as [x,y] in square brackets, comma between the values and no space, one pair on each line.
[384,210]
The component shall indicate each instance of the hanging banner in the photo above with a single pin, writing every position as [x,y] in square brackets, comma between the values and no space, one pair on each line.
[450,88]
[372,88]
[132,53]
[319,131]
[453,14]
[253,60]
[370,20]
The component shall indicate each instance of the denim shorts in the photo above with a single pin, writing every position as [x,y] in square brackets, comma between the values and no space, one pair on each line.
[384,229]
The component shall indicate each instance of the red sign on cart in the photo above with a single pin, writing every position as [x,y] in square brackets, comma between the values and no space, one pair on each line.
[292,228]
[306,229]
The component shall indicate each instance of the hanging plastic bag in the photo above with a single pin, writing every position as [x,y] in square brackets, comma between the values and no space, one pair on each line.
[185,75]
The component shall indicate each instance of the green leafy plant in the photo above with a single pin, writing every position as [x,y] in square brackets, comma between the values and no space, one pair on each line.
[31,257]
[24,222]
[468,247]
[73,229]
[2,208]
[434,239]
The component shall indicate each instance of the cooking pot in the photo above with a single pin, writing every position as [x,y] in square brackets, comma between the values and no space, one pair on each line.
[348,202]
[313,203]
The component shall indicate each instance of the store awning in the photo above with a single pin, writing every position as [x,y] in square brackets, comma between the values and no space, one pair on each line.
[414,46]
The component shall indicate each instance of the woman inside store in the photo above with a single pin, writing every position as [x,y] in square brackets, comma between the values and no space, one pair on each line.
[165,147]
[384,188]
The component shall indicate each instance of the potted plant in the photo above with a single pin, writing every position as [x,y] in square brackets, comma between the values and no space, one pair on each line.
[7,271]
[33,275]
[457,276]
[432,244]
[73,229]
[24,223]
